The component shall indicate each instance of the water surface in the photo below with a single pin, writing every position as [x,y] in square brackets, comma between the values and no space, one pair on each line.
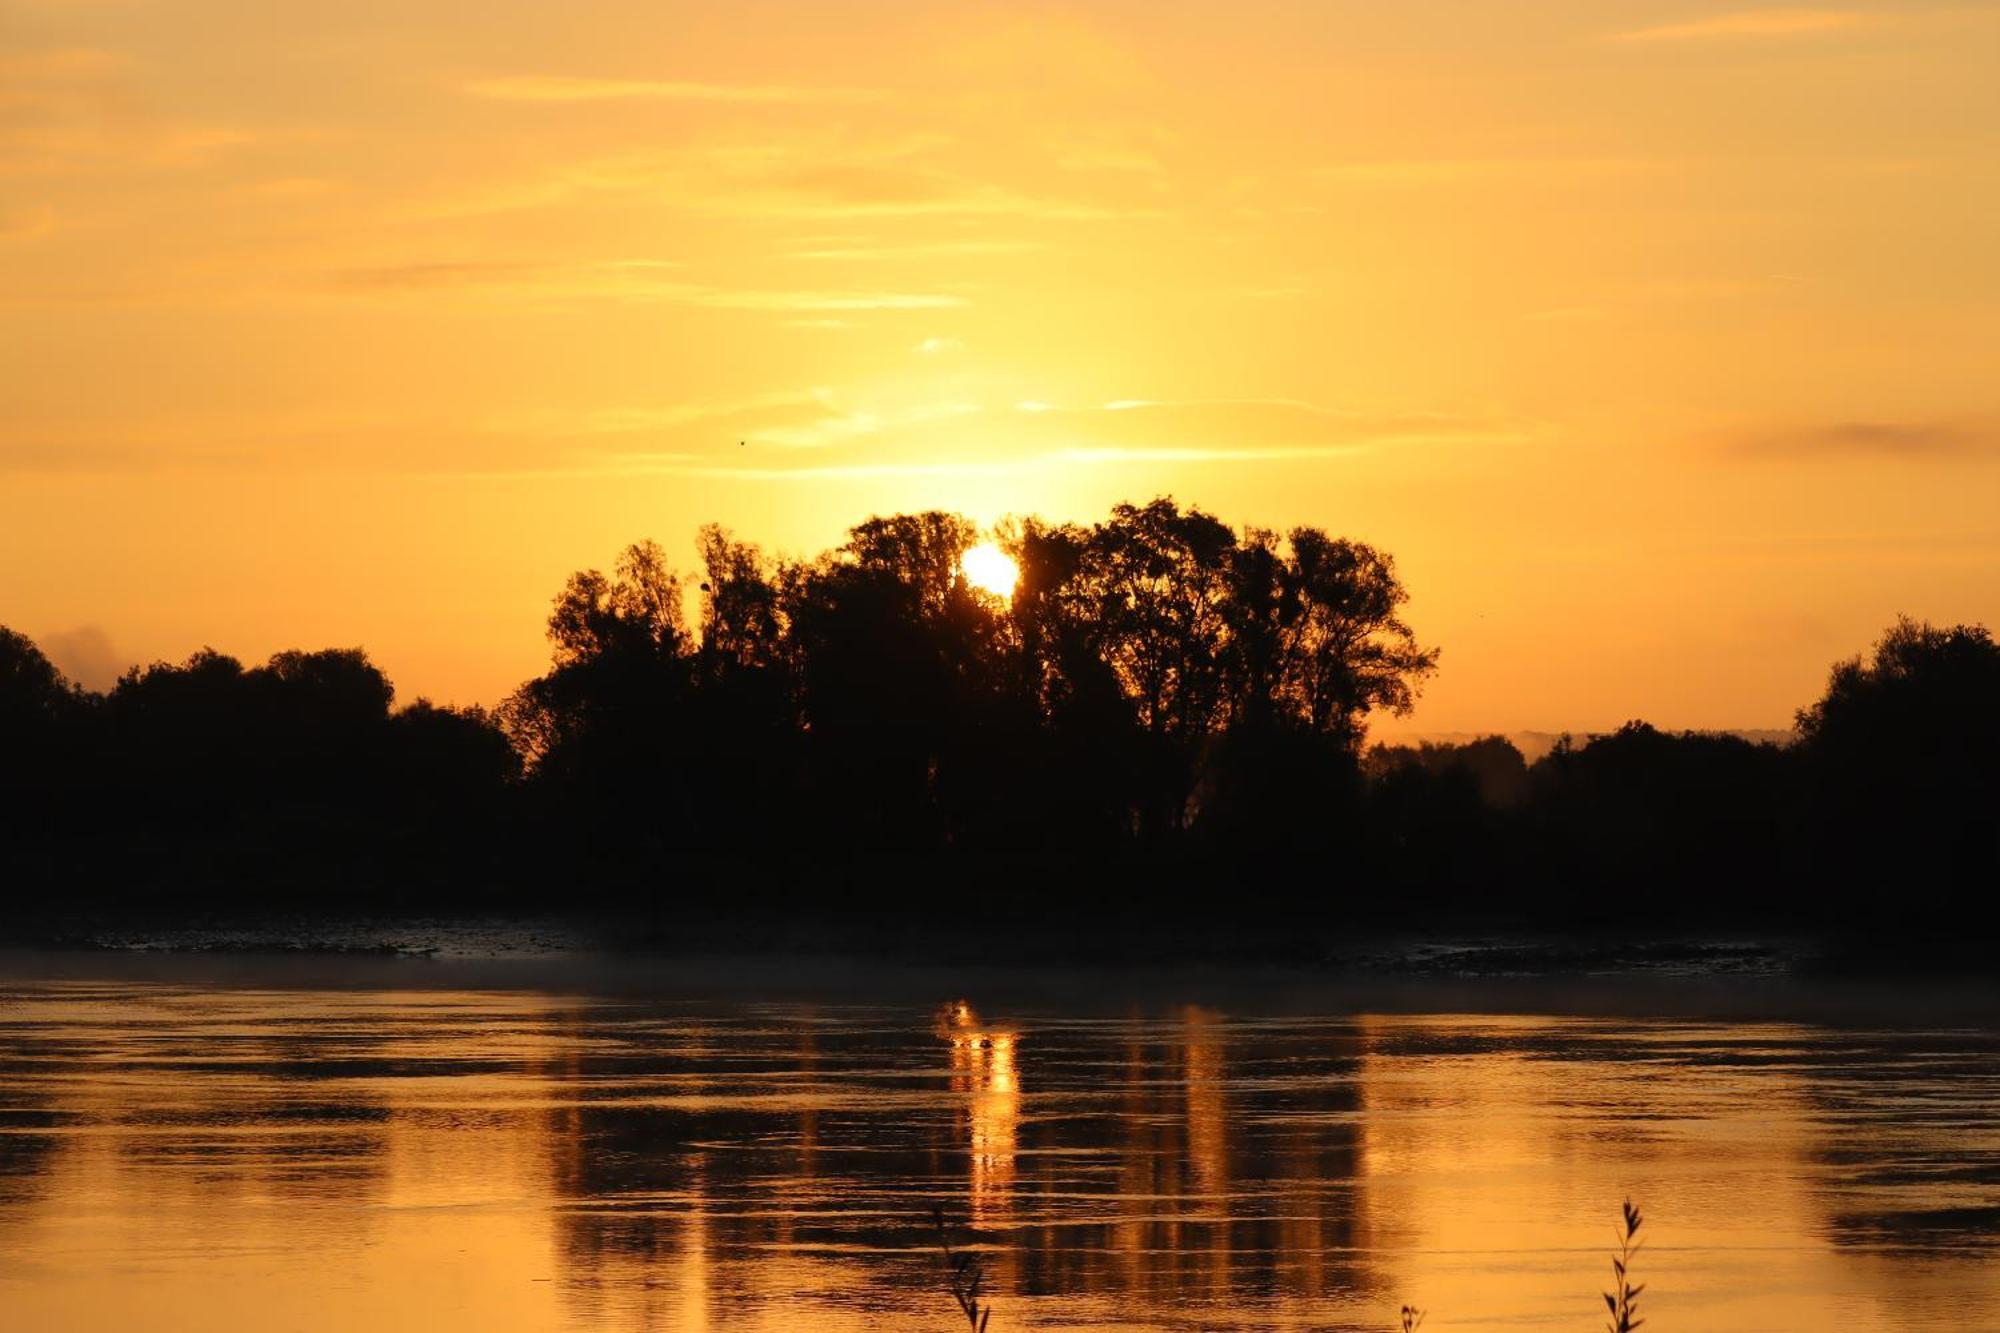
[225,1159]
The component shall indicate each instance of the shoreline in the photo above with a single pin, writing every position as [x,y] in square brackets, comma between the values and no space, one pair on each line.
[1744,978]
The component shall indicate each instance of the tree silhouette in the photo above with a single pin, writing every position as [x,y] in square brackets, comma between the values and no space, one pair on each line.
[1902,768]
[1165,704]
[43,723]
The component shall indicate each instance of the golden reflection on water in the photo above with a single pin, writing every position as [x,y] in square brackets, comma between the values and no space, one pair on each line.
[241,1160]
[984,1078]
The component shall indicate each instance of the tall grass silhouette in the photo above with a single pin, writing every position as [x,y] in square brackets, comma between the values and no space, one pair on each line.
[1623,1298]
[964,1275]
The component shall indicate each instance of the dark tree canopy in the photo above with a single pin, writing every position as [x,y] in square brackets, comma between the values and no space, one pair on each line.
[1165,710]
[1909,738]
[874,695]
[37,707]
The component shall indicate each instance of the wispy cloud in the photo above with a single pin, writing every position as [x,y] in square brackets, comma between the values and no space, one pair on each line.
[77,111]
[1749,23]
[1905,441]
[1209,454]
[725,299]
[435,275]
[25,224]
[913,250]
[664,417]
[61,64]
[1054,460]
[1450,171]
[209,441]
[813,418]
[906,440]
[805,182]
[1134,161]
[828,196]
[565,88]
[638,280]
[291,186]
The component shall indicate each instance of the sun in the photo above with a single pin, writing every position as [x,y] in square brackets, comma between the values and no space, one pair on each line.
[990,569]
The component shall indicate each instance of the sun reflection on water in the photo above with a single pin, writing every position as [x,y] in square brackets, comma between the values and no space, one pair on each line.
[984,1076]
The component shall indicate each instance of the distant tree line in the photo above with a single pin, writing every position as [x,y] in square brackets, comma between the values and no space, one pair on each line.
[1164,723]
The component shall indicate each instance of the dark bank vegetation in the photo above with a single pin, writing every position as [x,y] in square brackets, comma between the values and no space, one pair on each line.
[1161,729]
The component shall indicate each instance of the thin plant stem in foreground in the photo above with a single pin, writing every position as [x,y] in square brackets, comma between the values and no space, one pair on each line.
[965,1275]
[1623,1298]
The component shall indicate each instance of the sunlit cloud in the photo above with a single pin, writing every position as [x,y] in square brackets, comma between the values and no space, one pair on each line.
[813,418]
[733,438]
[666,417]
[217,441]
[60,64]
[562,88]
[938,347]
[1451,171]
[76,110]
[622,280]
[1286,405]
[824,473]
[1749,23]
[843,427]
[26,224]
[935,195]
[289,186]
[433,275]
[1201,428]
[1196,454]
[805,182]
[908,440]
[1110,159]
[60,145]
[1055,461]
[723,299]
[914,250]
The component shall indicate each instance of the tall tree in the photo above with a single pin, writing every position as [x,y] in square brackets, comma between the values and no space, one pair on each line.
[1902,758]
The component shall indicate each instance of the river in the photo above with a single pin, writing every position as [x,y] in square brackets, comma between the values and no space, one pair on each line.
[395,1151]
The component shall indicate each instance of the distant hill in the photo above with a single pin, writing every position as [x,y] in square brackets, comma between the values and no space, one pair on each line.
[1534,744]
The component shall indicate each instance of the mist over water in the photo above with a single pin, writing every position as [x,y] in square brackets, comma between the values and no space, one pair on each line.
[218,1158]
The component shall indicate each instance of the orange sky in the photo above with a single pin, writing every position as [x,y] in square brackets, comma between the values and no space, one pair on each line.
[1656,340]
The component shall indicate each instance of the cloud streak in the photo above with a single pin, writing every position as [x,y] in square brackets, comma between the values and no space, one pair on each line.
[1009,439]
[1749,23]
[634,280]
[801,182]
[1050,460]
[1893,441]
[556,88]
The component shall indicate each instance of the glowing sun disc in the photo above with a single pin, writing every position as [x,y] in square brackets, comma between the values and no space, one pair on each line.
[990,569]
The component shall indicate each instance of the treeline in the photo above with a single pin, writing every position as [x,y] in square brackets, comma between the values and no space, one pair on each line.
[1162,723]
